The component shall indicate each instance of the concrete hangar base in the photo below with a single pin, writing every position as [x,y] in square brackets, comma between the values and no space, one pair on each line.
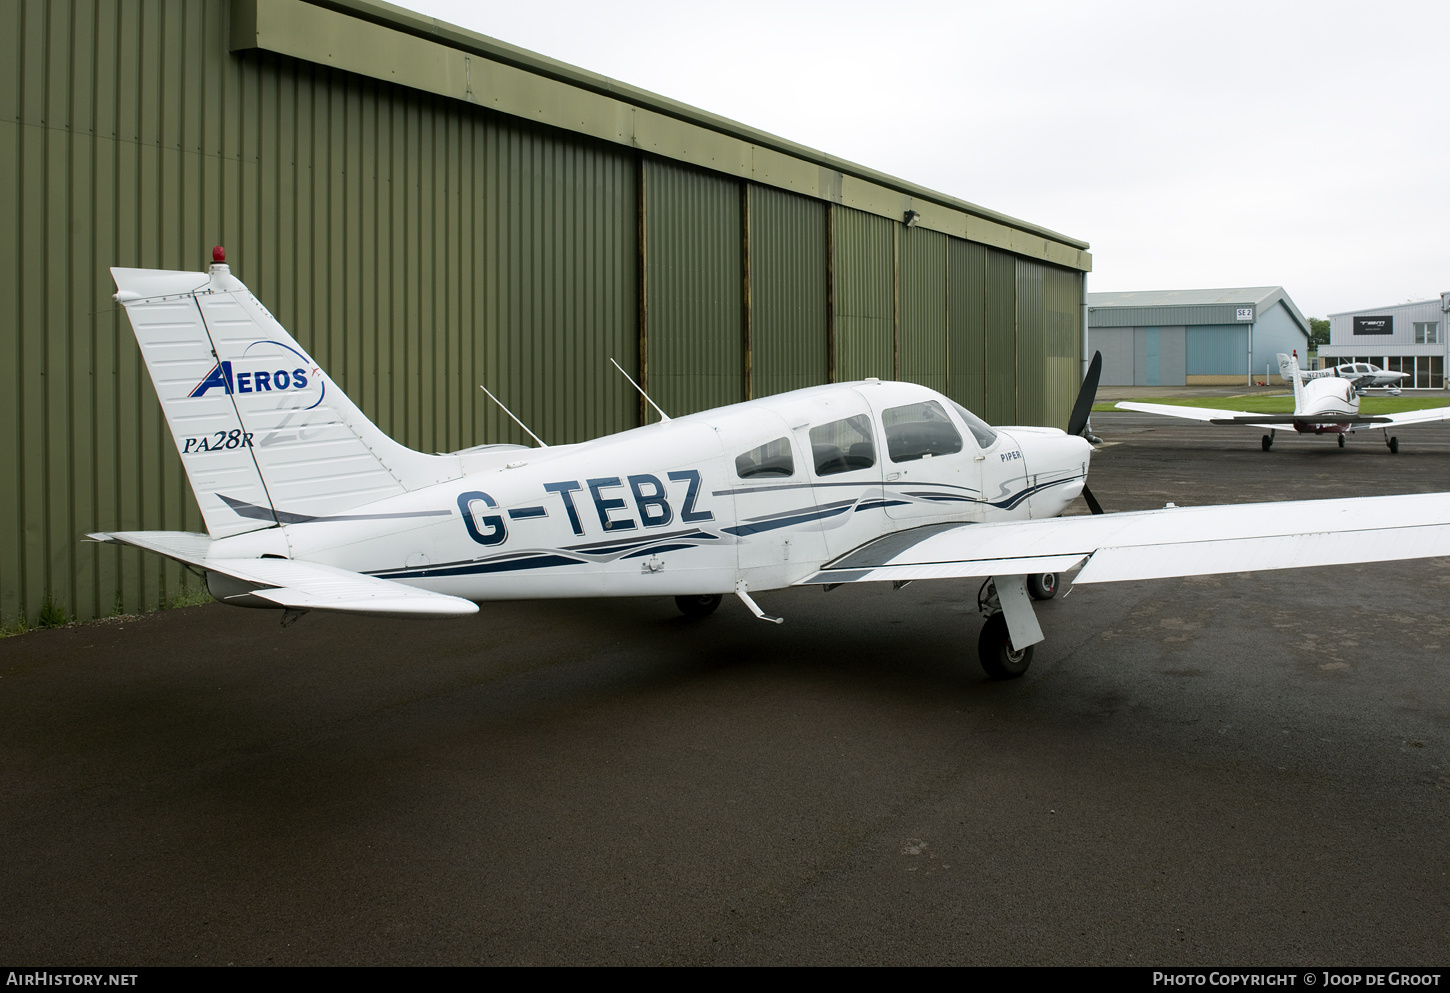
[1243,769]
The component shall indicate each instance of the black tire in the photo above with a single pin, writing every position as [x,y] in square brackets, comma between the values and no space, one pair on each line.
[1042,586]
[698,606]
[1394,446]
[1267,443]
[1341,439]
[994,651]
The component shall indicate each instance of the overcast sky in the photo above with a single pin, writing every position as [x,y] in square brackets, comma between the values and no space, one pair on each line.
[1194,145]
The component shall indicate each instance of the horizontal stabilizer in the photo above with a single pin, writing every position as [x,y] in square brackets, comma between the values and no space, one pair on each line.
[300,585]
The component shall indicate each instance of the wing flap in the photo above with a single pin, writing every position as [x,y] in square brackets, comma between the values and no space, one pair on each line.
[1157,544]
[1020,566]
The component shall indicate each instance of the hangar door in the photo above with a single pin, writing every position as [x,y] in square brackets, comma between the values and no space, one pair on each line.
[1152,356]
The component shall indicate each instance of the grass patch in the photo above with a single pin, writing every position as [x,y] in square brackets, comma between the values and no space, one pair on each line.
[52,614]
[187,596]
[1282,404]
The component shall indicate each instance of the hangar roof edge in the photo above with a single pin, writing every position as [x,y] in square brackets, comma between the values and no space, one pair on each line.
[432,29]
[1258,297]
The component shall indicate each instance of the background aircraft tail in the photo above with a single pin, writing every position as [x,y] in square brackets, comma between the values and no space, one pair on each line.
[1289,369]
[265,436]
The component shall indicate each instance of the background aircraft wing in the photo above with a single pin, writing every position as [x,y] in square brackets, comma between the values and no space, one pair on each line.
[1268,421]
[300,585]
[1159,544]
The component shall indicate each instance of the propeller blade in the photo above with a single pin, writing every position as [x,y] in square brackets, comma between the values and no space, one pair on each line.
[1085,397]
[1092,501]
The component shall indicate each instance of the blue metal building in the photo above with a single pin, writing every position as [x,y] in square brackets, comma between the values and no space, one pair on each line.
[1194,337]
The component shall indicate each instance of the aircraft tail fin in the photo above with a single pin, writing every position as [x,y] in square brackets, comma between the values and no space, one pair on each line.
[1289,369]
[265,435]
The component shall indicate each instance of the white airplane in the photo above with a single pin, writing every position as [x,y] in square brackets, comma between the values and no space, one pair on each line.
[1323,405]
[1366,374]
[309,506]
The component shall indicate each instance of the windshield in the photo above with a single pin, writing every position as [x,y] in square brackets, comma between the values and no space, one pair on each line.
[980,429]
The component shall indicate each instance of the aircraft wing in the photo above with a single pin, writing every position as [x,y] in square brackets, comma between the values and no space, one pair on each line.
[1160,544]
[1419,416]
[300,585]
[1267,421]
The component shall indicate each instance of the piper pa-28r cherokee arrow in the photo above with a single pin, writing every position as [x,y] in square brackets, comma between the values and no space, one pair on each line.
[309,506]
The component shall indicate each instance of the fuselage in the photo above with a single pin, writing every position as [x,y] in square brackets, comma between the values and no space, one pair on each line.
[760,493]
[1325,398]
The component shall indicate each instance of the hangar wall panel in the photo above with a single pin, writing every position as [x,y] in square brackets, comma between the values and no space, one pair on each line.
[1117,347]
[922,356]
[865,295]
[696,291]
[1001,287]
[1047,366]
[1216,350]
[967,324]
[788,293]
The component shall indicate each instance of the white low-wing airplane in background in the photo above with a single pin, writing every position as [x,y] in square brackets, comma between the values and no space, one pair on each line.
[1366,374]
[1328,404]
[309,506]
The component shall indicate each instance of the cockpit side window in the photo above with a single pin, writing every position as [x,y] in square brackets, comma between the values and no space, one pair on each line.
[981,430]
[771,459]
[918,431]
[843,446]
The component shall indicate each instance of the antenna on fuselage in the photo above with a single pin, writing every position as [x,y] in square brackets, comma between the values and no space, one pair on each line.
[663,415]
[511,414]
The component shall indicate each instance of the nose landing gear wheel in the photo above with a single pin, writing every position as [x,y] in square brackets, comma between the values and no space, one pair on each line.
[1042,586]
[995,652]
[698,606]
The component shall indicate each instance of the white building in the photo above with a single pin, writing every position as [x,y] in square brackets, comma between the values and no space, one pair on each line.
[1408,337]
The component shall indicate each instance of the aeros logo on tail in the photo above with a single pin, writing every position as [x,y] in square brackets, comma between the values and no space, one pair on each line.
[264,367]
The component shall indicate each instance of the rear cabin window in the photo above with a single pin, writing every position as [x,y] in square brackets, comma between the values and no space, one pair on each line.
[770,459]
[843,446]
[919,431]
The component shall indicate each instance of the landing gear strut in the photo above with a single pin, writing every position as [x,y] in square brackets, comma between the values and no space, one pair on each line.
[1000,656]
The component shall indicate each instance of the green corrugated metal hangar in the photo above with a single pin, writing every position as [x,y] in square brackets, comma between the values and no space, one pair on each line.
[427,209]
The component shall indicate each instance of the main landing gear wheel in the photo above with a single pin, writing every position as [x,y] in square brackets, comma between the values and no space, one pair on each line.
[698,606]
[1394,444]
[994,650]
[1042,586]
[1341,441]
[1268,442]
